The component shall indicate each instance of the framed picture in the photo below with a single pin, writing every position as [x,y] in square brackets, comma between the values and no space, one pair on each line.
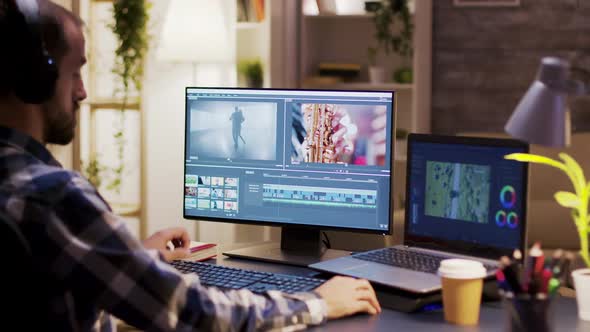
[486,3]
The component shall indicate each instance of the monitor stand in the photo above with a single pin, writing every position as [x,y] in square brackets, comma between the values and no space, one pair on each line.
[299,246]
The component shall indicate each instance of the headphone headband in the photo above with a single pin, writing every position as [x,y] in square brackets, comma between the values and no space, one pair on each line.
[29,9]
[31,70]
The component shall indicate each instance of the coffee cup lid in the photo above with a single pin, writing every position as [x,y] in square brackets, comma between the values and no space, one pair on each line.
[457,268]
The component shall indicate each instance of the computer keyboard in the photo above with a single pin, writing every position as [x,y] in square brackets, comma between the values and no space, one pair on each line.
[407,259]
[258,282]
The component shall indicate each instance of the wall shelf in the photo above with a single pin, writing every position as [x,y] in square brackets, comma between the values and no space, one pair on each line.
[336,16]
[249,25]
[388,86]
[345,38]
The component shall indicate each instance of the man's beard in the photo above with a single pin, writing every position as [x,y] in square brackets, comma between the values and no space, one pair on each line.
[60,126]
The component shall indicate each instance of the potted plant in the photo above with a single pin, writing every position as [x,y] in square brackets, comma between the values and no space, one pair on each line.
[394,39]
[577,201]
[252,71]
[376,73]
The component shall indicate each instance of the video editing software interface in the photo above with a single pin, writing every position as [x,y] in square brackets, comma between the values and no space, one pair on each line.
[306,157]
[466,193]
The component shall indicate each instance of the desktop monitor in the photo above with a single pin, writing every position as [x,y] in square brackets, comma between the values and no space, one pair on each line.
[304,160]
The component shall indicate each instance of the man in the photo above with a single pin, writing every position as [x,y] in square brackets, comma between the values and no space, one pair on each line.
[236,118]
[84,256]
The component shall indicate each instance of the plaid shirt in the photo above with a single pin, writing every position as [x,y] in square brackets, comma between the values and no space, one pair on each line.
[91,265]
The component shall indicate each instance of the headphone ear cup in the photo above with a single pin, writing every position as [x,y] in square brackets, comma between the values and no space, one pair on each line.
[35,82]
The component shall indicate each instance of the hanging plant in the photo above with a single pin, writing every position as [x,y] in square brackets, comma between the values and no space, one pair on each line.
[94,171]
[130,28]
[388,39]
[393,33]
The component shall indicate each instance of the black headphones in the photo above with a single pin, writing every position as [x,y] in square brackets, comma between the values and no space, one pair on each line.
[31,71]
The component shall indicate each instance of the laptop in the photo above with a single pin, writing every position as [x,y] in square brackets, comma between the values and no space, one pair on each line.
[463,200]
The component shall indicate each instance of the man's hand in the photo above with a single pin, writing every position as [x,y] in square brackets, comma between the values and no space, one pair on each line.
[344,136]
[345,296]
[378,138]
[160,239]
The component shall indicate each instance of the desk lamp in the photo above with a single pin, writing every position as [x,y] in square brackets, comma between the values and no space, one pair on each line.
[197,32]
[541,117]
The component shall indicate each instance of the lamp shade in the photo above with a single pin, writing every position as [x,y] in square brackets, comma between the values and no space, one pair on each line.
[540,116]
[196,31]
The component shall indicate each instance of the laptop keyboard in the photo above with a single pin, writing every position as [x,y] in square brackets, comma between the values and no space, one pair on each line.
[257,282]
[407,259]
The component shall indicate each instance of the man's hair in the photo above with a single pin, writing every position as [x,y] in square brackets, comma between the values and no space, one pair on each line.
[51,18]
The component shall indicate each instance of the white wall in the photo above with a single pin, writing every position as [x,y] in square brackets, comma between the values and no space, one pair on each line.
[164,117]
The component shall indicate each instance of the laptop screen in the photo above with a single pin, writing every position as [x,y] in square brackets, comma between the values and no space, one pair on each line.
[464,195]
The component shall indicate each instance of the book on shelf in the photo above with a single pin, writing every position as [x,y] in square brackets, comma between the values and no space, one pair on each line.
[201,251]
[339,69]
[250,10]
[318,81]
[327,7]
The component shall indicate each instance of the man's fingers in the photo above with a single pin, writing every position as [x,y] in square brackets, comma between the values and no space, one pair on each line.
[178,233]
[186,240]
[380,110]
[369,296]
[364,306]
[367,293]
[379,123]
[363,284]
[374,296]
[337,136]
[177,253]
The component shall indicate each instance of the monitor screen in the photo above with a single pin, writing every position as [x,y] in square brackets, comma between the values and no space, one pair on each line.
[289,157]
[466,192]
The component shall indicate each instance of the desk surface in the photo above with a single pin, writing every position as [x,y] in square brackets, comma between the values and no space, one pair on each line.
[491,316]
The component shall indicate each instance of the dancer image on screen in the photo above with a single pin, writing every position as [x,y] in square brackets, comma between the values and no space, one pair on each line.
[237,117]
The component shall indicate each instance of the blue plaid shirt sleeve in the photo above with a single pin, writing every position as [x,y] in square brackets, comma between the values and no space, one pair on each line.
[101,262]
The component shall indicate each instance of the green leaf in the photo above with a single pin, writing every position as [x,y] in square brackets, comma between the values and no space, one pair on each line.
[575,168]
[567,199]
[534,158]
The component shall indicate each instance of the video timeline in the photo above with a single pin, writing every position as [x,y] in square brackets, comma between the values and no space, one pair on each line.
[320,196]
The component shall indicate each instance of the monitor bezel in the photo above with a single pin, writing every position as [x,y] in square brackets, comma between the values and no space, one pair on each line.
[455,246]
[389,231]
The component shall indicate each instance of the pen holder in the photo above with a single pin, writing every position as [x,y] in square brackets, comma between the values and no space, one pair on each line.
[527,313]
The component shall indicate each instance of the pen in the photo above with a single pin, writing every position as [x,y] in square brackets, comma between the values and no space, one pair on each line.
[510,274]
[517,265]
[545,279]
[517,255]
[530,270]
[502,281]
[539,263]
[564,267]
[555,261]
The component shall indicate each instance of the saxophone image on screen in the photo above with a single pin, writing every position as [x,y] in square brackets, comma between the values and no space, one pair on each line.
[338,133]
[318,143]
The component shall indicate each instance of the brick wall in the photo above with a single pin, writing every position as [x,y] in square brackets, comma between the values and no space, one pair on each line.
[484,59]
